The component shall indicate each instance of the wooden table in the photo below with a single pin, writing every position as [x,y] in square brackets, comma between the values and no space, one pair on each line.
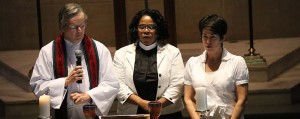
[135,116]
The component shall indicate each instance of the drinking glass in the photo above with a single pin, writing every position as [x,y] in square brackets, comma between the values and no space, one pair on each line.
[155,108]
[89,111]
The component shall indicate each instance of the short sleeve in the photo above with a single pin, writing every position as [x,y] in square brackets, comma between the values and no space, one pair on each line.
[187,71]
[242,73]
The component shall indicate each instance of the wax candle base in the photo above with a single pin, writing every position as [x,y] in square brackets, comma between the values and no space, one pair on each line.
[44,106]
[41,117]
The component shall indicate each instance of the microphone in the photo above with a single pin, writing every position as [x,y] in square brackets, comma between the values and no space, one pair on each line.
[78,54]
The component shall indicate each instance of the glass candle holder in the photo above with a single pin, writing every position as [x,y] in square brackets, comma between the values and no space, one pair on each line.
[155,108]
[89,111]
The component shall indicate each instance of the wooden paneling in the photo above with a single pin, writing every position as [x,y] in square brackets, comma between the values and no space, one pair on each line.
[271,19]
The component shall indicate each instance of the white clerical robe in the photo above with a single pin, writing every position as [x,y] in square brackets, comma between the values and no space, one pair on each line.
[43,81]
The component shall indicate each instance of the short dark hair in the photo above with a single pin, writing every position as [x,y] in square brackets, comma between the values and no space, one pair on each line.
[162,31]
[215,24]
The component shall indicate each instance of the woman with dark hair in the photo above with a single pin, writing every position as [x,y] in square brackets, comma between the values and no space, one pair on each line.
[149,69]
[224,75]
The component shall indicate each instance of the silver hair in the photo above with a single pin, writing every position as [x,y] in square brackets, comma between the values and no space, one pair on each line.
[67,12]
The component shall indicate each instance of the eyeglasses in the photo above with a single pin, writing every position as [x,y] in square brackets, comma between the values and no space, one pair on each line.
[150,27]
[81,26]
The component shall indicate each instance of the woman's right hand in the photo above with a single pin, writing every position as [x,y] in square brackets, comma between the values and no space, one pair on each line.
[144,104]
[135,99]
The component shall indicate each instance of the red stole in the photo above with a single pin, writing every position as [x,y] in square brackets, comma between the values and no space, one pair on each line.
[90,54]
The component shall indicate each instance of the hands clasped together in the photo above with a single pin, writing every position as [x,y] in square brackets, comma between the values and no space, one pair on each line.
[144,104]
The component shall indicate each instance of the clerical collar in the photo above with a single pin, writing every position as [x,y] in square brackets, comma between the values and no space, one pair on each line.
[147,47]
[69,43]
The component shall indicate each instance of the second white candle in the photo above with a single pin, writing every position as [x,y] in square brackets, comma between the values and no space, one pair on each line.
[201,99]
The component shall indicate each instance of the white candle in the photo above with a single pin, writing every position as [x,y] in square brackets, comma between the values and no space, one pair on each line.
[44,104]
[201,99]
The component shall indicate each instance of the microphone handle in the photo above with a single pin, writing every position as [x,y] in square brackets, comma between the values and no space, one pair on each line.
[79,81]
[78,63]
